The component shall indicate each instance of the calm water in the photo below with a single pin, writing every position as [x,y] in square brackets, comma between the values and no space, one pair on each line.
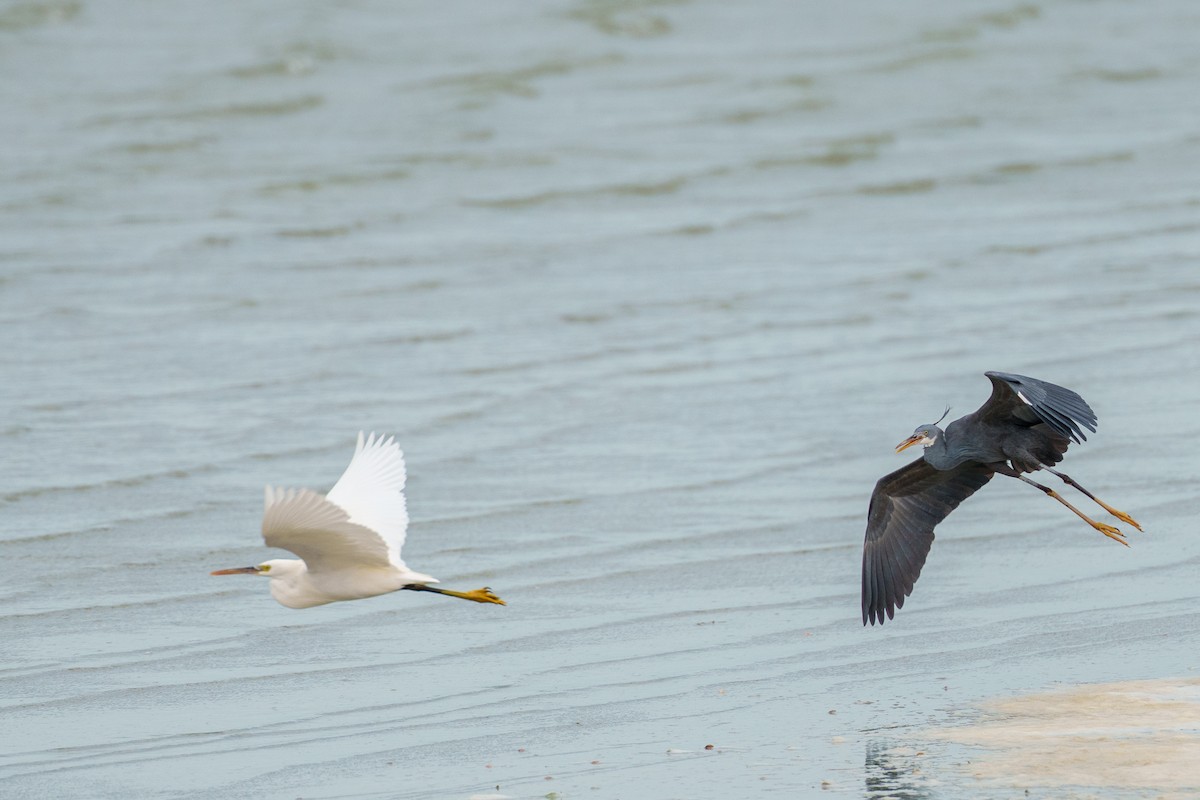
[648,291]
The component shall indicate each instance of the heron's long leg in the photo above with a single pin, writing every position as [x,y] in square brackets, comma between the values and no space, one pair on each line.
[483,595]
[1108,530]
[1121,515]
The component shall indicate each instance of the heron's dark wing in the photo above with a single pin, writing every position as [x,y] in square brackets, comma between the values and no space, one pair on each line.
[1033,401]
[905,507]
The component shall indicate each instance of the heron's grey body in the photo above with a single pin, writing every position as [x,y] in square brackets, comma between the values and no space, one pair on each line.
[1026,422]
[1025,425]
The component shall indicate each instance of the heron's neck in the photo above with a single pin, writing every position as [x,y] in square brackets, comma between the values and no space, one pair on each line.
[941,454]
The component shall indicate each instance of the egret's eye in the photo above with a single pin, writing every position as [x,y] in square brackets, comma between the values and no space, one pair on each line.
[265,568]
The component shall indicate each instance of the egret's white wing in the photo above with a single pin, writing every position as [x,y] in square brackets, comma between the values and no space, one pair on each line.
[320,532]
[371,491]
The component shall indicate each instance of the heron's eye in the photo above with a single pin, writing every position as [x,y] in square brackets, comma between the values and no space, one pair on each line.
[265,568]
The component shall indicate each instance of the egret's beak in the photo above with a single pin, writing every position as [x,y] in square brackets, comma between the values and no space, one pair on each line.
[909,442]
[237,571]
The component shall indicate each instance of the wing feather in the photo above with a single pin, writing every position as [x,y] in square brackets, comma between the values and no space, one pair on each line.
[371,491]
[320,532]
[1031,400]
[905,507]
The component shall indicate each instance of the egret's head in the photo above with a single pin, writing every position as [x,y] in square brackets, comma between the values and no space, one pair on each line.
[275,568]
[924,435]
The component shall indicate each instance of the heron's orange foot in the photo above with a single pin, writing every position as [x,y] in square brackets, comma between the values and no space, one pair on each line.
[1121,515]
[483,595]
[1109,531]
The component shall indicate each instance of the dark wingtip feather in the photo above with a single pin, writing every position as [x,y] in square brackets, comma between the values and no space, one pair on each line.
[905,507]
[1059,407]
[866,593]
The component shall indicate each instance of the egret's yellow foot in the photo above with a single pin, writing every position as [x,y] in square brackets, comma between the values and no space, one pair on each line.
[483,595]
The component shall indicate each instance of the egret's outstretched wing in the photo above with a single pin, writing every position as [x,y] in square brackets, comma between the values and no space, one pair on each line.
[320,532]
[1032,401]
[371,491]
[905,507]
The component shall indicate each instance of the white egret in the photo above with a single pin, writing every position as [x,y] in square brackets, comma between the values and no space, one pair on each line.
[349,539]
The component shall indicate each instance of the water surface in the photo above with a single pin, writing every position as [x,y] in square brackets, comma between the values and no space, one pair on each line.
[647,291]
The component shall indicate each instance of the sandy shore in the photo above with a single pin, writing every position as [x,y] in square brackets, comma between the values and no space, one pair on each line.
[1141,735]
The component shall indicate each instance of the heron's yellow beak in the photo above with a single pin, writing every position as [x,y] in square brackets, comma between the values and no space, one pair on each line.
[237,571]
[909,442]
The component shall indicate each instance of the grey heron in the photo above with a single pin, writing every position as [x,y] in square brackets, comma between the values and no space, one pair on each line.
[1026,425]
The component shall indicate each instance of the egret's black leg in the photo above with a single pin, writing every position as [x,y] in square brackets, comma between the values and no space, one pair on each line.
[1121,515]
[483,595]
[1108,530]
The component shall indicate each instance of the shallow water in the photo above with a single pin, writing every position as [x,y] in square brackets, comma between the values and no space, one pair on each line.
[647,291]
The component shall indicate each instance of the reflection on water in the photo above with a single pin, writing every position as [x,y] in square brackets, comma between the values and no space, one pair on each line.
[891,772]
[647,290]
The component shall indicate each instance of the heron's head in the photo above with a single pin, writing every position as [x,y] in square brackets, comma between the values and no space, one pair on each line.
[275,568]
[924,435]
